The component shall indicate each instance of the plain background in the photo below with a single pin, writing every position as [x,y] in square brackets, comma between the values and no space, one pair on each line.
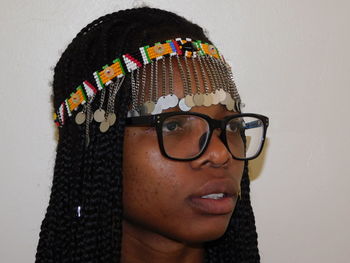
[291,62]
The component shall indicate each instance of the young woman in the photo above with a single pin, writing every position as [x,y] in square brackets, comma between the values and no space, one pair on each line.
[152,154]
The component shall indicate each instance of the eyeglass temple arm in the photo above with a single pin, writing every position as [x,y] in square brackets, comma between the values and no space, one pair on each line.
[253,124]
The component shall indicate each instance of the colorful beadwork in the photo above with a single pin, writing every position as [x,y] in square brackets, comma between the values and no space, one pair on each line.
[128,63]
[90,90]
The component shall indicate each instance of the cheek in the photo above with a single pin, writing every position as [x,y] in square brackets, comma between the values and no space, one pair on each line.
[147,183]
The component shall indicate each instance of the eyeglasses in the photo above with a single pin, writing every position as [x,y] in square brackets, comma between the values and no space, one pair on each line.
[184,136]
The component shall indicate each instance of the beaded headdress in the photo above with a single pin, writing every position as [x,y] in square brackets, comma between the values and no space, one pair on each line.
[194,58]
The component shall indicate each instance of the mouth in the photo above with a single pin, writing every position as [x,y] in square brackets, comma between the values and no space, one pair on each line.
[215,198]
[213,204]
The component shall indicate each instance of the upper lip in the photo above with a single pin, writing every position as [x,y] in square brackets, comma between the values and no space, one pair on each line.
[226,186]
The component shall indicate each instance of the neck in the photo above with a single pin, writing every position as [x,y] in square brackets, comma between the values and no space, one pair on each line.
[145,247]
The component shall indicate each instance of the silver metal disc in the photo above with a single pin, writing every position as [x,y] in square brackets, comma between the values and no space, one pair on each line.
[162,101]
[111,118]
[230,105]
[208,100]
[150,106]
[104,126]
[133,113]
[215,98]
[198,99]
[157,109]
[173,100]
[80,118]
[222,95]
[99,115]
[183,106]
[189,100]
[229,102]
[226,100]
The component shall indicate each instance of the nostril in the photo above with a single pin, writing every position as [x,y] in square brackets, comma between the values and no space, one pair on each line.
[205,162]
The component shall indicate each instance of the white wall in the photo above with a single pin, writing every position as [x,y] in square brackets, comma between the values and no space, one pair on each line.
[291,61]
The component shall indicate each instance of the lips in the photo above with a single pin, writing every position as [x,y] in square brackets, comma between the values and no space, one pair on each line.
[226,186]
[216,197]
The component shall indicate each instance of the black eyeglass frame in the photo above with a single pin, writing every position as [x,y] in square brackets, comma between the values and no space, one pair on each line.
[158,119]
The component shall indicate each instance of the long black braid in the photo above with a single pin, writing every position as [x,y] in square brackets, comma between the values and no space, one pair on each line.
[91,178]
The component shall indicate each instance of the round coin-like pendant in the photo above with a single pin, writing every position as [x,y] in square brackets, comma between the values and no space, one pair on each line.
[80,118]
[172,100]
[226,100]
[133,113]
[150,106]
[222,95]
[189,100]
[111,118]
[104,126]
[183,106]
[198,99]
[230,105]
[157,109]
[99,115]
[162,101]
[207,99]
[215,98]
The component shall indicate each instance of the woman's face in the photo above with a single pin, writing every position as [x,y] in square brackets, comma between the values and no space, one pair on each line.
[162,197]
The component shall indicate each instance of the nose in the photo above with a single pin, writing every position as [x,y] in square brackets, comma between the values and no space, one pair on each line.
[216,155]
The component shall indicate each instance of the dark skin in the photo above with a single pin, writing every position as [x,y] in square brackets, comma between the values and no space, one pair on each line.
[160,222]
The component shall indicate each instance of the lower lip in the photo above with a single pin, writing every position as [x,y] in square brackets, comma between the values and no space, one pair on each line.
[220,206]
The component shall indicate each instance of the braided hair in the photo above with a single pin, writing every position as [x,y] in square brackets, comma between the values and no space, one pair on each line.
[91,177]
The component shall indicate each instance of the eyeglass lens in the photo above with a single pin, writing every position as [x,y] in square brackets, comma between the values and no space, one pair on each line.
[185,136]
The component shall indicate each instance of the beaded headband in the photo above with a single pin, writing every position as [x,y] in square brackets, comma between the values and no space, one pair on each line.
[211,66]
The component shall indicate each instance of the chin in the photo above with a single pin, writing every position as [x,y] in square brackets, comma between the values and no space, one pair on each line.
[203,237]
[201,232]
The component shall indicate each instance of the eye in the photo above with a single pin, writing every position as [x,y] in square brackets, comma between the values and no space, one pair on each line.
[234,126]
[172,126]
